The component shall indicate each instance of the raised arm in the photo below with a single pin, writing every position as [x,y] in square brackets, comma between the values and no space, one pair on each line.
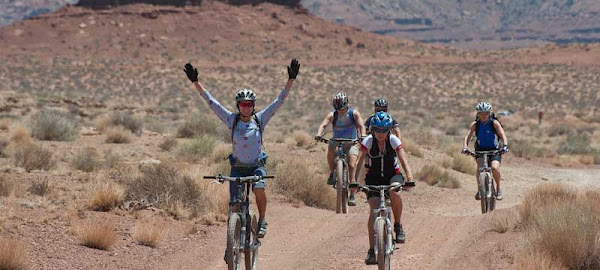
[223,113]
[266,114]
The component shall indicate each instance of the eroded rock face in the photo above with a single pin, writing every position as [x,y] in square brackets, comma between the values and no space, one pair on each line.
[109,3]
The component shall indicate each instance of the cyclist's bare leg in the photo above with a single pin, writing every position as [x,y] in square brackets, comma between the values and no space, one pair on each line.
[496,172]
[352,159]
[479,165]
[373,204]
[261,202]
[330,158]
[396,206]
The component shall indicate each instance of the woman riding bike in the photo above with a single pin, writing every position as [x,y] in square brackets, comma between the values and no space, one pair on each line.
[384,151]
[247,126]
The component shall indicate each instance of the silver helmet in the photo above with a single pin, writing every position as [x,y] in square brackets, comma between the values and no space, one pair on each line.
[483,107]
[340,101]
[245,94]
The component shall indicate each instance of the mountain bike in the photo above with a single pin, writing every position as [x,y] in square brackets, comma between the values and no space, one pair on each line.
[242,225]
[340,172]
[384,244]
[486,183]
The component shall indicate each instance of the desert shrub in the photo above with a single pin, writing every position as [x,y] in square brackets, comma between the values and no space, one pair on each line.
[118,135]
[149,233]
[3,144]
[436,176]
[20,135]
[13,255]
[537,261]
[297,181]
[411,147]
[86,160]
[6,186]
[126,120]
[503,221]
[464,164]
[198,147]
[201,124]
[302,138]
[559,130]
[221,153]
[5,123]
[53,126]
[97,233]
[105,196]
[33,157]
[544,196]
[576,144]
[526,149]
[40,187]
[111,160]
[168,143]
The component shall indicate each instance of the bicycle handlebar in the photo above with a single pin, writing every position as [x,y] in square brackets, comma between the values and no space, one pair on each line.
[366,188]
[241,179]
[325,140]
[481,153]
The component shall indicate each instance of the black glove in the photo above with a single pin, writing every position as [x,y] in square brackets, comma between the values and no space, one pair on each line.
[293,69]
[191,72]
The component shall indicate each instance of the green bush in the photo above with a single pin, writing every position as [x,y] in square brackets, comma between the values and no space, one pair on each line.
[53,126]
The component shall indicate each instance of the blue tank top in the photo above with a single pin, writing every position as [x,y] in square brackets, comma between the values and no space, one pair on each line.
[345,126]
[486,137]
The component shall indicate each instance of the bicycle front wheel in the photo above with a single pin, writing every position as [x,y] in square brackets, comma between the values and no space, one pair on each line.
[383,258]
[482,191]
[234,227]
[252,243]
[345,190]
[339,185]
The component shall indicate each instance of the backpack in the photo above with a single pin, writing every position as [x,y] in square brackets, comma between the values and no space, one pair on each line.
[237,119]
[493,118]
[335,117]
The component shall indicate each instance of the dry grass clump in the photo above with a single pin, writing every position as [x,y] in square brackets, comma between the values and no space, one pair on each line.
[465,164]
[298,181]
[105,196]
[526,149]
[13,255]
[149,233]
[118,134]
[96,233]
[302,138]
[503,221]
[559,130]
[111,160]
[198,147]
[87,160]
[544,196]
[33,157]
[5,123]
[3,144]
[20,135]
[537,261]
[168,144]
[201,124]
[435,176]
[221,152]
[53,126]
[576,144]
[40,187]
[163,186]
[6,186]
[126,120]
[412,148]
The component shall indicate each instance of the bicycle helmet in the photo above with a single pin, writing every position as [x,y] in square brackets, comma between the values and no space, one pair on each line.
[340,101]
[382,120]
[483,107]
[380,103]
[245,94]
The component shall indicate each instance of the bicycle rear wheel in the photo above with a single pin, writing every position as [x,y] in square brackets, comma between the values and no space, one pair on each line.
[482,192]
[252,243]
[234,227]
[345,190]
[339,178]
[383,258]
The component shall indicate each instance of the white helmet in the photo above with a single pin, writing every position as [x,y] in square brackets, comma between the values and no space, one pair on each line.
[245,94]
[483,107]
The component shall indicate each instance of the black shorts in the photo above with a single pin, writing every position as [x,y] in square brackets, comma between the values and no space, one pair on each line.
[497,156]
[398,178]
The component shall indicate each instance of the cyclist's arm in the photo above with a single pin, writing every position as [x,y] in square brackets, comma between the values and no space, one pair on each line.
[396,131]
[359,124]
[324,124]
[223,113]
[266,114]
[501,133]
[469,135]
[355,171]
[402,158]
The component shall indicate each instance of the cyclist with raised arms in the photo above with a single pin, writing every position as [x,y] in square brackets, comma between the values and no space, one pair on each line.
[488,130]
[384,151]
[347,124]
[247,126]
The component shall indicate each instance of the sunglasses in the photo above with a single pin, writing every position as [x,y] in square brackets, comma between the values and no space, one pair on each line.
[246,104]
[380,129]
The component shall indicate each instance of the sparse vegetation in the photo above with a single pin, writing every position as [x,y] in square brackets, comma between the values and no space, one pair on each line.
[168,143]
[435,176]
[561,129]
[13,255]
[412,148]
[576,144]
[503,221]
[3,144]
[33,157]
[111,160]
[200,124]
[6,186]
[40,187]
[53,126]
[5,123]
[96,233]
[464,164]
[221,152]
[149,233]
[86,160]
[299,182]
[20,135]
[302,138]
[118,134]
[545,195]
[105,196]
[198,147]
[126,120]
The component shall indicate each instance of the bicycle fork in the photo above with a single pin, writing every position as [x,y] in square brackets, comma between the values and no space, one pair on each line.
[389,241]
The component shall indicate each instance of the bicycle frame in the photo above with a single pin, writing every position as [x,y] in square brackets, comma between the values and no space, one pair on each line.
[488,200]
[384,212]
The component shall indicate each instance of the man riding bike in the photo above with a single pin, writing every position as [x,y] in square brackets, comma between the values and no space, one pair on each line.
[384,151]
[247,126]
[347,124]
[487,130]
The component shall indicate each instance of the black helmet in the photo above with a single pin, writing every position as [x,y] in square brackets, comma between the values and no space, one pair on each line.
[381,102]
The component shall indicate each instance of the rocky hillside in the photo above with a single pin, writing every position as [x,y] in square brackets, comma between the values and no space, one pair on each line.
[475,22]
